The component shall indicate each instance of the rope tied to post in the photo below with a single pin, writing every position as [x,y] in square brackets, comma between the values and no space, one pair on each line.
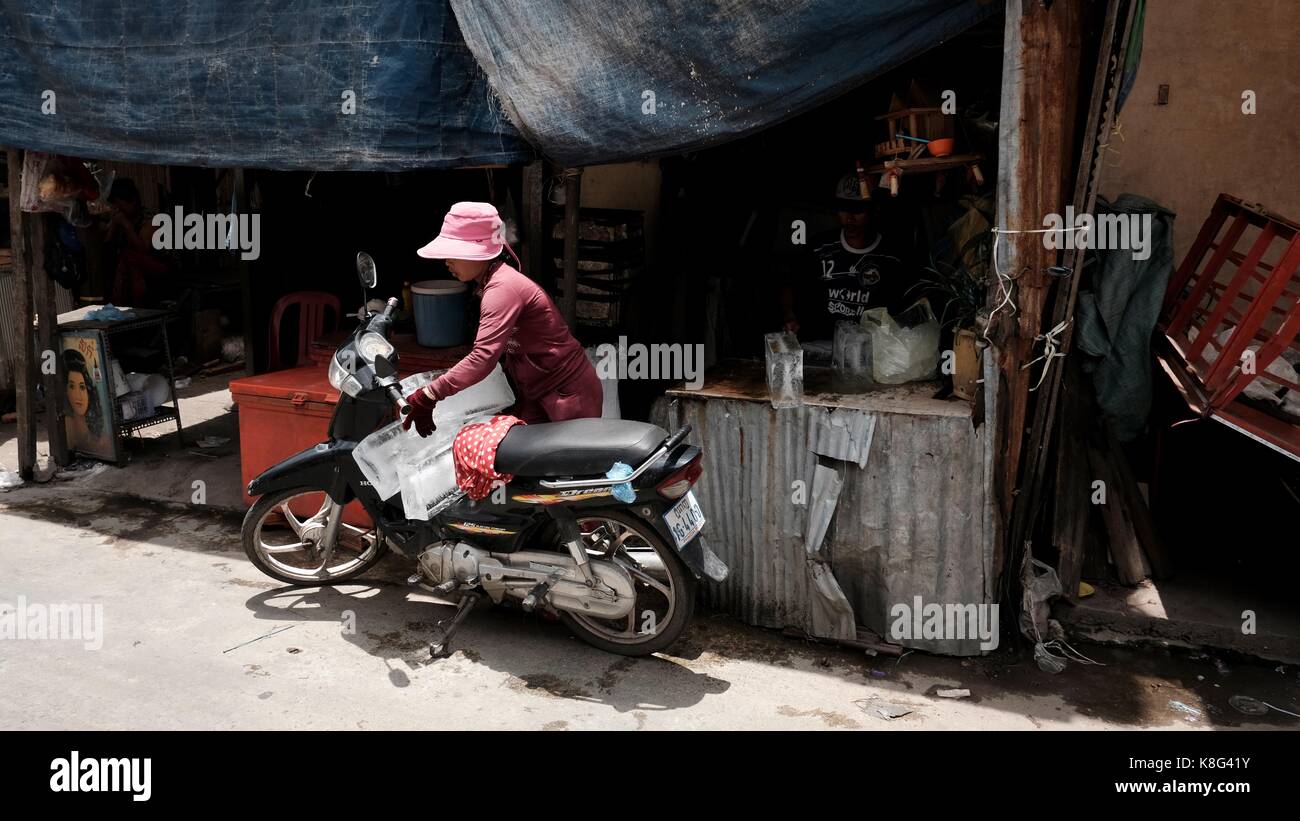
[1051,350]
[1005,294]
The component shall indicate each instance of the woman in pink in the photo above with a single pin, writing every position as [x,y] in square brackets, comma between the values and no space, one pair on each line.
[519,326]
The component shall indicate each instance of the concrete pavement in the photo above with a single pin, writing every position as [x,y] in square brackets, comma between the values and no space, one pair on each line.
[194,637]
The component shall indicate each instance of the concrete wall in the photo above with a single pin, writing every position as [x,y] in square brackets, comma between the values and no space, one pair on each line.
[1184,153]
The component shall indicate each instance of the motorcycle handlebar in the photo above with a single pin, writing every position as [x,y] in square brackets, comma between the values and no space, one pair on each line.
[403,407]
[390,307]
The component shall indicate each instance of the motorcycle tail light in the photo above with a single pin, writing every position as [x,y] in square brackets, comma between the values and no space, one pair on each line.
[680,481]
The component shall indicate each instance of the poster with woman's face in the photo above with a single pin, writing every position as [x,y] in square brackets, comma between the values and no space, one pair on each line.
[88,417]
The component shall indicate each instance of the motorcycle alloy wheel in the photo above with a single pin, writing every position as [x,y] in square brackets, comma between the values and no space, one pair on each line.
[281,537]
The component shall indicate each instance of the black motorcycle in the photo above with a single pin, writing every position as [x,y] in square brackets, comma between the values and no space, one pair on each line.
[621,576]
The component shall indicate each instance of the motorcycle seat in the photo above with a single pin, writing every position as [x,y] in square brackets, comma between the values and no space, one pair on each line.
[578,447]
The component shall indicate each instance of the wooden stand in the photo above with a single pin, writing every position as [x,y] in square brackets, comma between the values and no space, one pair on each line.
[895,169]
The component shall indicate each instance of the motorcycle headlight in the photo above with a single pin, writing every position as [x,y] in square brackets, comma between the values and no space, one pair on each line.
[342,380]
[372,345]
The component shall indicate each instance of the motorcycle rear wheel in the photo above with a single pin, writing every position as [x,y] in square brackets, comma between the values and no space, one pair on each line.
[280,540]
[665,587]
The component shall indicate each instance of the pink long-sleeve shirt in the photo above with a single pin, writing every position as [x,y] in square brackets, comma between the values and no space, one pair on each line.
[519,326]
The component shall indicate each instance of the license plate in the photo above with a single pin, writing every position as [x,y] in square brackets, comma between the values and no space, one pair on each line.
[685,520]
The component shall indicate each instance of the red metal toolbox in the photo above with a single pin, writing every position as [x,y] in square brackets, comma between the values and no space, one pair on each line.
[280,414]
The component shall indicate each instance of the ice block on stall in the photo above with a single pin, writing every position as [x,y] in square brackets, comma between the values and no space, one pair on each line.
[852,354]
[784,369]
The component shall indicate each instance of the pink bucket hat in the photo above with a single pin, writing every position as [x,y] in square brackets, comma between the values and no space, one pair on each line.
[471,230]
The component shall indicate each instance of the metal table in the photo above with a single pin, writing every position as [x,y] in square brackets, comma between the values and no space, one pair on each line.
[107,329]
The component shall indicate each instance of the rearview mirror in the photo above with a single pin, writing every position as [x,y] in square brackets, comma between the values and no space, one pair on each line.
[366,270]
[384,368]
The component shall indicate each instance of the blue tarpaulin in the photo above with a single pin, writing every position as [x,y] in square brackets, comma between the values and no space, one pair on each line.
[264,84]
[248,83]
[590,81]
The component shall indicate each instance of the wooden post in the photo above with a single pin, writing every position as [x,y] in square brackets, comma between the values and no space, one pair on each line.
[572,202]
[23,294]
[534,221]
[1111,47]
[1038,114]
[48,337]
[1073,486]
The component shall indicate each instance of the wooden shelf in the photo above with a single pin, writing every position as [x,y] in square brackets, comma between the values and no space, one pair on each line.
[926,164]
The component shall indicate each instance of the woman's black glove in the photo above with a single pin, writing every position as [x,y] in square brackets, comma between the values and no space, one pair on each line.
[421,414]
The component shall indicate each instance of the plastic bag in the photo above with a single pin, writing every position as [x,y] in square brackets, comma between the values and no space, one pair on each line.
[903,353]
[64,185]
[604,359]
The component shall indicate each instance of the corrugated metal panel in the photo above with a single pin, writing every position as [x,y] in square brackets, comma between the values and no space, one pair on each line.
[911,523]
[10,321]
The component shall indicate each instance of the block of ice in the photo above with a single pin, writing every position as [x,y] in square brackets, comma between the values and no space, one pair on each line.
[390,452]
[487,396]
[429,486]
[852,356]
[784,369]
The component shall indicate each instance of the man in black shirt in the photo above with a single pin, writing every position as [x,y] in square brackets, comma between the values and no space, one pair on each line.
[844,272]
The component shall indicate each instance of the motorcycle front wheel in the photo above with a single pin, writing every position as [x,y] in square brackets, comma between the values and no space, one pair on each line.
[665,588]
[282,533]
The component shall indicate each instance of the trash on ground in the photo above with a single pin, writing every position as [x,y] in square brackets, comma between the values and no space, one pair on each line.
[953,693]
[1192,713]
[81,469]
[9,479]
[212,441]
[1047,662]
[882,709]
[1255,707]
[259,638]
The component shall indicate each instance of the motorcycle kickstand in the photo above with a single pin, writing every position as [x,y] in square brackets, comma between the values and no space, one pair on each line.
[441,647]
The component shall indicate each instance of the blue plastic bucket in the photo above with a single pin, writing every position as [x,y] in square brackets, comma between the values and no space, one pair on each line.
[440,312]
